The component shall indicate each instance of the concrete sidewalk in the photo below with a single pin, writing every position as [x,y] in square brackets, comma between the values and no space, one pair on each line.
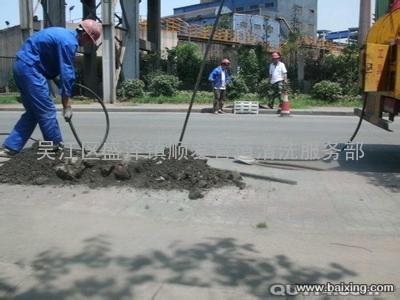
[181,108]
[118,243]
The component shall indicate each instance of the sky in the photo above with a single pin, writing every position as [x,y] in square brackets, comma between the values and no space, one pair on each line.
[332,15]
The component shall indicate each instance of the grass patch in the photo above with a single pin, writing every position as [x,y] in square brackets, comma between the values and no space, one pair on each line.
[262,225]
[298,101]
[9,99]
[203,97]
[307,101]
[184,97]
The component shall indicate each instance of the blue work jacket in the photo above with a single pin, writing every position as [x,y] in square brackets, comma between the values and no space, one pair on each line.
[52,51]
[216,78]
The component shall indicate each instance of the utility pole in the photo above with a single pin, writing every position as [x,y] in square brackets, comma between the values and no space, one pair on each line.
[131,57]
[54,13]
[154,27]
[90,56]
[26,16]
[109,55]
[365,21]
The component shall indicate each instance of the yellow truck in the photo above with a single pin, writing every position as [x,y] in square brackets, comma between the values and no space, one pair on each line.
[381,71]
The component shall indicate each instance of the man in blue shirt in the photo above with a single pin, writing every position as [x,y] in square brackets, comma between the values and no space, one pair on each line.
[47,54]
[220,78]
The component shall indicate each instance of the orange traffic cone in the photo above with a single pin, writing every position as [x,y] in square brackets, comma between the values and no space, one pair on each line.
[285,109]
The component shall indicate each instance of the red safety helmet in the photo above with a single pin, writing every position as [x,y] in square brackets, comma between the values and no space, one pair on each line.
[92,28]
[395,5]
[225,62]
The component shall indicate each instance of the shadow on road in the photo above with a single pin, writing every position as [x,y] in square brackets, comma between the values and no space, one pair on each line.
[381,164]
[96,272]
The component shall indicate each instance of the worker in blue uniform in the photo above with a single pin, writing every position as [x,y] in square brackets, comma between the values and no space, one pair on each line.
[48,54]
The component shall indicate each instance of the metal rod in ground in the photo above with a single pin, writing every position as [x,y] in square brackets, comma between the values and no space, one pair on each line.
[201,72]
[269,178]
[267,164]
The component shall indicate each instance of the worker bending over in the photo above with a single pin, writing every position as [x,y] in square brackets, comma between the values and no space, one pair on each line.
[47,54]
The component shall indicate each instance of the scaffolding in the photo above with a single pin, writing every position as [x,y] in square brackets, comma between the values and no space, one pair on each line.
[191,32]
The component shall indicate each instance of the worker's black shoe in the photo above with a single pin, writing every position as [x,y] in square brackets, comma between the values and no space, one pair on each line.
[59,147]
[59,150]
[7,153]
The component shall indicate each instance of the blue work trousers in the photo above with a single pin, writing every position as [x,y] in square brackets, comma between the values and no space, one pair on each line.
[39,106]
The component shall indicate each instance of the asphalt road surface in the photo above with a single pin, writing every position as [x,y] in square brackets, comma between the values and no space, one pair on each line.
[219,131]
[338,225]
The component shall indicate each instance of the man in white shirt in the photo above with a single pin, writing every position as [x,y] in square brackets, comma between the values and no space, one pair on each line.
[277,78]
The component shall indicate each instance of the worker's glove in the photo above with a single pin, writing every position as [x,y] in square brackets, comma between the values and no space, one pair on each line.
[67,113]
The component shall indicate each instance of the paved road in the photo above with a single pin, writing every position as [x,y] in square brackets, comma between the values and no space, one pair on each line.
[338,225]
[220,131]
[299,137]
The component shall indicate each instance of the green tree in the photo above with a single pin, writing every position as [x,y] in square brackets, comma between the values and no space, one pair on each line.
[343,69]
[263,61]
[188,61]
[249,68]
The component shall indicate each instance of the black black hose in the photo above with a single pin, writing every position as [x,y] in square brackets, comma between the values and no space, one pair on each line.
[362,115]
[100,101]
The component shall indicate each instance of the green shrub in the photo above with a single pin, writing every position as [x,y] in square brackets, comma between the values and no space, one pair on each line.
[147,78]
[237,88]
[131,89]
[327,90]
[165,85]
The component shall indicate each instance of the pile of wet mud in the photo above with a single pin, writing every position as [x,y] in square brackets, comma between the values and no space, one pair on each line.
[158,173]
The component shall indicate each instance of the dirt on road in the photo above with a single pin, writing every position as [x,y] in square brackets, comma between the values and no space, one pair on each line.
[191,173]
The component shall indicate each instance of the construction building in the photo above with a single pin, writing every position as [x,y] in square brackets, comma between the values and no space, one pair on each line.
[295,14]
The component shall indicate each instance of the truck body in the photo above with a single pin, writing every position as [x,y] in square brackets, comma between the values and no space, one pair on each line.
[381,69]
